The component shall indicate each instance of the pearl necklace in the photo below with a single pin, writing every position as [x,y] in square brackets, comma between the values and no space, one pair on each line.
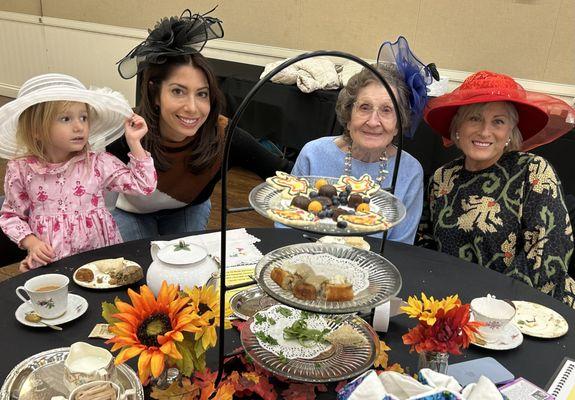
[382,166]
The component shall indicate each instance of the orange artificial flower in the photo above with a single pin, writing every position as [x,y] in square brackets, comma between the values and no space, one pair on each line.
[150,328]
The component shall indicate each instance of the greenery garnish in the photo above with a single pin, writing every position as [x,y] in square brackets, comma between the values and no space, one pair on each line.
[264,337]
[260,319]
[286,312]
[182,246]
[283,358]
[306,337]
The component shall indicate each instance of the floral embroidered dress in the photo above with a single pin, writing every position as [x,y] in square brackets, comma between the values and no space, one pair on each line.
[510,217]
[63,204]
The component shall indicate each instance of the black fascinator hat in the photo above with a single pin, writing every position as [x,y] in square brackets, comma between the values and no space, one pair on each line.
[174,36]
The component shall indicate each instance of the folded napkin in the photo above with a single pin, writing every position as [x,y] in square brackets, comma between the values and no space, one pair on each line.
[391,385]
[309,75]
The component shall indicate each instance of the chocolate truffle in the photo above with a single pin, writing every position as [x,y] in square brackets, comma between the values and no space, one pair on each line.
[339,211]
[300,202]
[325,201]
[328,191]
[354,200]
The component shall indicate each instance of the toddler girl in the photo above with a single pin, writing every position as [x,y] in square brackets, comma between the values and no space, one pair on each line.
[55,184]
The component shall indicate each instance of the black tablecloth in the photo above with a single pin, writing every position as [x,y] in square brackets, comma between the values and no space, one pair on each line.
[422,270]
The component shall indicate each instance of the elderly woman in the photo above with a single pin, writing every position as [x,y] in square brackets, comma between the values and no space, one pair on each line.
[497,206]
[365,110]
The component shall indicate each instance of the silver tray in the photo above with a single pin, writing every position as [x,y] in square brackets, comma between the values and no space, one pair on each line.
[246,303]
[39,377]
[265,197]
[335,364]
[383,277]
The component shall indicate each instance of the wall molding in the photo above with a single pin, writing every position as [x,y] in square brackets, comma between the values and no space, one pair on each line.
[34,32]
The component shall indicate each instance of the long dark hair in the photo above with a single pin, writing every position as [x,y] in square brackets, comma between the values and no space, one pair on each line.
[207,144]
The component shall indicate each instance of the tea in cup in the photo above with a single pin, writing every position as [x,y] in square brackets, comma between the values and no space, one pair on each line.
[495,313]
[47,294]
[86,363]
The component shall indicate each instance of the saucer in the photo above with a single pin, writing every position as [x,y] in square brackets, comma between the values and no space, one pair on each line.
[77,305]
[539,321]
[510,339]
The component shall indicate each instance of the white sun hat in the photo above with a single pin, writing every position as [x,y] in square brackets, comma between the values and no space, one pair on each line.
[108,109]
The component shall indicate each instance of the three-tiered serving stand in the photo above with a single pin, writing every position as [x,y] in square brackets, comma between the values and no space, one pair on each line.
[224,175]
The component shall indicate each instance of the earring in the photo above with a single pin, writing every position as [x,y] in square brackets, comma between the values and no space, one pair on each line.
[508,141]
[456,135]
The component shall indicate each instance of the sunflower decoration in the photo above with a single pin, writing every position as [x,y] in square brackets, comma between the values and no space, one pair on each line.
[205,301]
[152,328]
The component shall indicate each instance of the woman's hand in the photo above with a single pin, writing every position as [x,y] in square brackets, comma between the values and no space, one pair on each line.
[39,252]
[136,128]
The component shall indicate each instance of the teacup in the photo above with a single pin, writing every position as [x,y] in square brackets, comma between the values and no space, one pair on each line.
[48,294]
[86,363]
[80,392]
[495,313]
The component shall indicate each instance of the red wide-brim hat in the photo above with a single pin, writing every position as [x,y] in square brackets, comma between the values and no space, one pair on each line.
[542,118]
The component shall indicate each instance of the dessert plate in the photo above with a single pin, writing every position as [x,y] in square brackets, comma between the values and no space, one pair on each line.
[386,210]
[383,279]
[246,303]
[77,305]
[337,362]
[102,280]
[539,321]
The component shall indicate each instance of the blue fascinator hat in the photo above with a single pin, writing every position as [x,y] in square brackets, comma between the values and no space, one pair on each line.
[416,75]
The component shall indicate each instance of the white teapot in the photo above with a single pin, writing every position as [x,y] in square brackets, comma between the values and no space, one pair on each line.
[179,262]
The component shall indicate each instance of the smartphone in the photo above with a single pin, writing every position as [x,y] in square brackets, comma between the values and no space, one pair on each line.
[467,372]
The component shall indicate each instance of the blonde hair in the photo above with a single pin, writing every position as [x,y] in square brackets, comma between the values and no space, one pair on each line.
[463,112]
[34,124]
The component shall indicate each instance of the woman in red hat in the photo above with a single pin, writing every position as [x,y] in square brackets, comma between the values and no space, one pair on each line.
[498,206]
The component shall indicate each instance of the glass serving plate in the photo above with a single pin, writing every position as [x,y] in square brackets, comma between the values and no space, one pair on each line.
[337,363]
[264,197]
[384,280]
[40,376]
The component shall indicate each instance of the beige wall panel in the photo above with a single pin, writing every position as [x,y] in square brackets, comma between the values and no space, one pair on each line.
[32,7]
[23,64]
[92,68]
[561,60]
[358,27]
[509,36]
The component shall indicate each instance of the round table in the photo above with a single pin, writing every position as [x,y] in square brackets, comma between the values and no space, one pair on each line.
[422,270]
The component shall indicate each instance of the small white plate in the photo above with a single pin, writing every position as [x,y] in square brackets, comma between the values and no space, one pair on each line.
[77,305]
[101,279]
[539,321]
[510,339]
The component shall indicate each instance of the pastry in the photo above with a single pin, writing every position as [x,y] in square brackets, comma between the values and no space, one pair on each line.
[364,185]
[368,221]
[130,274]
[338,289]
[304,291]
[110,265]
[291,216]
[84,275]
[282,277]
[291,185]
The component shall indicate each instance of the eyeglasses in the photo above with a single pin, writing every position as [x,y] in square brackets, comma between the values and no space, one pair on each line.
[366,110]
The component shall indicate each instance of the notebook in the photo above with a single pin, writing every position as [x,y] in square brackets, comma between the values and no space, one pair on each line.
[562,383]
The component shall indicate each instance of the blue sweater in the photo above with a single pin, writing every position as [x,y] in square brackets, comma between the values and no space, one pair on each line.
[322,157]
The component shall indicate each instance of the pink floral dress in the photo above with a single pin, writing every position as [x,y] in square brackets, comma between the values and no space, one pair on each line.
[63,204]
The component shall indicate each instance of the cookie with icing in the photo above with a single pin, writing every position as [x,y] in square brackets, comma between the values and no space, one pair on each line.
[291,216]
[291,185]
[368,221]
[364,185]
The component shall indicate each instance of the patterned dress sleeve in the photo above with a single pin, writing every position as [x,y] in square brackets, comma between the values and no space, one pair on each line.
[547,234]
[16,207]
[138,177]
[425,237]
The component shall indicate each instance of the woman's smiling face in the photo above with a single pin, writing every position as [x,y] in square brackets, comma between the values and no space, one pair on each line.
[484,134]
[184,102]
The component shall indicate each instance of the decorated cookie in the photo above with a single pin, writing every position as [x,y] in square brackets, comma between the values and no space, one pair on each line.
[364,185]
[291,216]
[365,221]
[291,185]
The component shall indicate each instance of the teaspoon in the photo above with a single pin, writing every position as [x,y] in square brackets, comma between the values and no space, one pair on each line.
[33,317]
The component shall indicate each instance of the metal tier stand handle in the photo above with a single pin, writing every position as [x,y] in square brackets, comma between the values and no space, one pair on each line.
[224,173]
